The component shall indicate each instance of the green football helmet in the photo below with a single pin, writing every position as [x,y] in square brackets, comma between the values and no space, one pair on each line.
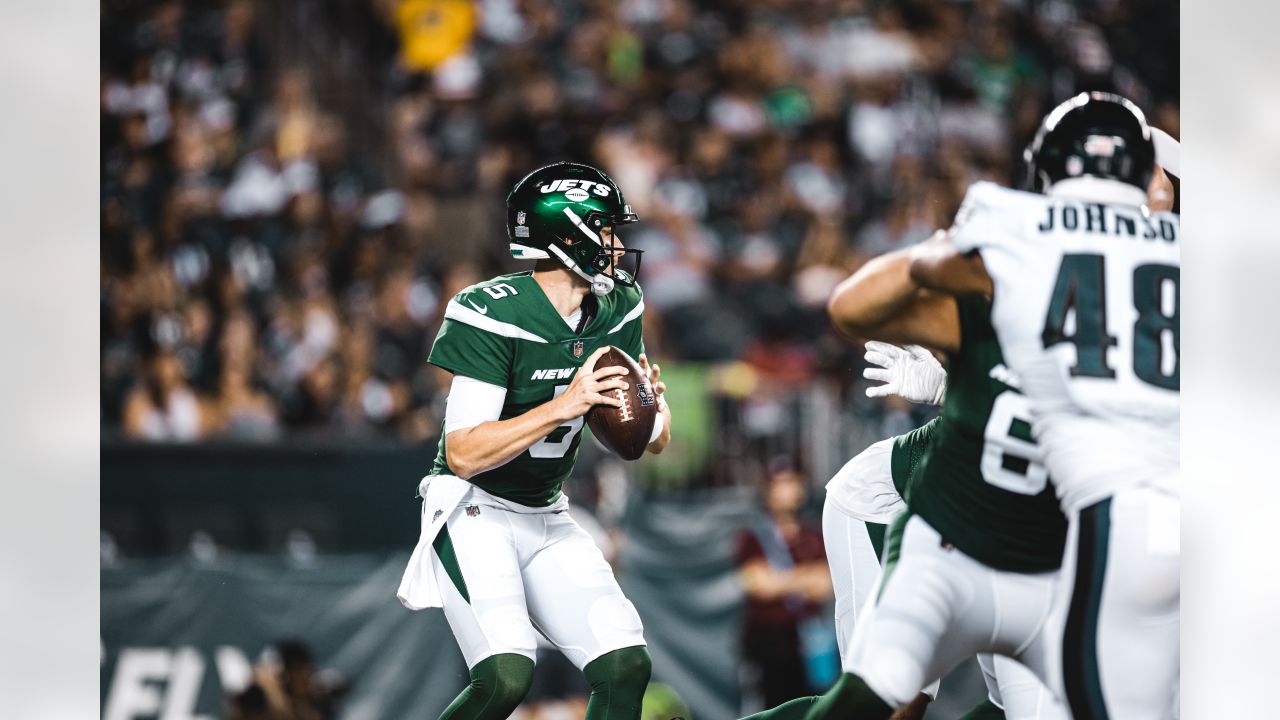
[558,212]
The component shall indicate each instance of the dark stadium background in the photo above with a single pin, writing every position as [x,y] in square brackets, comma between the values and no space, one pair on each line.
[291,191]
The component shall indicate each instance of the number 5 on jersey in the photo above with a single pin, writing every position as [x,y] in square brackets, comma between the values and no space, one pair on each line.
[558,441]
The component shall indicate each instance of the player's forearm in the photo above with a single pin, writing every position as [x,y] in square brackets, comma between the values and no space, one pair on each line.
[492,444]
[938,265]
[873,295]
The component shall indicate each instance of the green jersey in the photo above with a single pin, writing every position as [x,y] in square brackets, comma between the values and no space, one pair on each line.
[505,332]
[979,479]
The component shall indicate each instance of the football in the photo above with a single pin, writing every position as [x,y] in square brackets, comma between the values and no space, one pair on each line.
[625,430]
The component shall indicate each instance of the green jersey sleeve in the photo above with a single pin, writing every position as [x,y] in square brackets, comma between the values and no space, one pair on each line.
[470,351]
[908,453]
[632,338]
[974,313]
[629,333]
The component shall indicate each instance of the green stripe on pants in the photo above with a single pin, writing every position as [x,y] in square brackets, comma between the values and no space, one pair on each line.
[1081,677]
[444,550]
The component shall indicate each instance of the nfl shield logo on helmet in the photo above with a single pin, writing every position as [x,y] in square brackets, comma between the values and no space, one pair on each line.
[577,348]
[520,217]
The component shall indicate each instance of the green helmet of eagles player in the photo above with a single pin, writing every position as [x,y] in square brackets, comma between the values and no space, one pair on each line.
[498,550]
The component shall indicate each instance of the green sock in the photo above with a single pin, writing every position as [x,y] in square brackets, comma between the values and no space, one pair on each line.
[849,698]
[987,710]
[498,684]
[618,680]
[789,710]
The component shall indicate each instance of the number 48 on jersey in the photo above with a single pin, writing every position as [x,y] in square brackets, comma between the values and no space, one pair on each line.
[1079,295]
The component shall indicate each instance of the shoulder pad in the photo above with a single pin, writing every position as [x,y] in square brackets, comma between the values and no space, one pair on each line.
[630,305]
[985,195]
[988,209]
[494,306]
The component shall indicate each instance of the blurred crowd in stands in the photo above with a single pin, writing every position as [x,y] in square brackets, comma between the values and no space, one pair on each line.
[291,191]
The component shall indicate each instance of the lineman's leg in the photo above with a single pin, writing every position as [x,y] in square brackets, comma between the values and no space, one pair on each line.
[993,707]
[575,601]
[480,583]
[855,569]
[1023,696]
[911,631]
[1120,641]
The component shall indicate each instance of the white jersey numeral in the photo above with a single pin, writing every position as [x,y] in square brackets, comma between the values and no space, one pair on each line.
[497,293]
[546,448]
[1011,462]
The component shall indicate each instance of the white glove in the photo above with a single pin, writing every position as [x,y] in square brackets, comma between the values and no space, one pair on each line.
[910,372]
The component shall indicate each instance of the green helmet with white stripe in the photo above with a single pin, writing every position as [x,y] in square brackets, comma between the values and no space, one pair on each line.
[559,212]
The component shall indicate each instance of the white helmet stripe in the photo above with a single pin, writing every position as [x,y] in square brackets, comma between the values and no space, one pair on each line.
[577,221]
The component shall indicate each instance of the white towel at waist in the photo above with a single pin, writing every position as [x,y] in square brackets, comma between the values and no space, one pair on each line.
[441,496]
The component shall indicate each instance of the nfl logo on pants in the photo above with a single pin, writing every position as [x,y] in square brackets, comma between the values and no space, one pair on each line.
[473,510]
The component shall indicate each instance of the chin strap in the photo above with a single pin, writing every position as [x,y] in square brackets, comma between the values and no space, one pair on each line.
[600,284]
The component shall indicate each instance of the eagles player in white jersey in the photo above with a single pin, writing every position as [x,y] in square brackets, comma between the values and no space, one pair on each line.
[1085,280]
[498,550]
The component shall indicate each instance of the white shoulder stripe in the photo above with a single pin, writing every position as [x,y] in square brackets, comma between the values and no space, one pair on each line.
[636,312]
[461,313]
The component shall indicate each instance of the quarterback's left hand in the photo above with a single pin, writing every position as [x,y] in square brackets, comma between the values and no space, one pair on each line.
[654,372]
[662,431]
[911,372]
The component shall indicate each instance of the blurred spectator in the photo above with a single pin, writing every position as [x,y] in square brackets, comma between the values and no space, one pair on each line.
[783,568]
[291,193]
[287,686]
[162,406]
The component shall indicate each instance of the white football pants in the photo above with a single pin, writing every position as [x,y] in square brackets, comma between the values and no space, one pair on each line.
[936,606]
[1017,690]
[523,572]
[1118,608]
[855,570]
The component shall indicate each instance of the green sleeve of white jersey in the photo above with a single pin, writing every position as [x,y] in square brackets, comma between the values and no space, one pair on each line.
[472,352]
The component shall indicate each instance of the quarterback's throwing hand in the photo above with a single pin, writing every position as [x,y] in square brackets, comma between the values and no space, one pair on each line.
[910,372]
[589,385]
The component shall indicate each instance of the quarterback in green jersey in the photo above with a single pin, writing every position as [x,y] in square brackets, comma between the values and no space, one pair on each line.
[498,550]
